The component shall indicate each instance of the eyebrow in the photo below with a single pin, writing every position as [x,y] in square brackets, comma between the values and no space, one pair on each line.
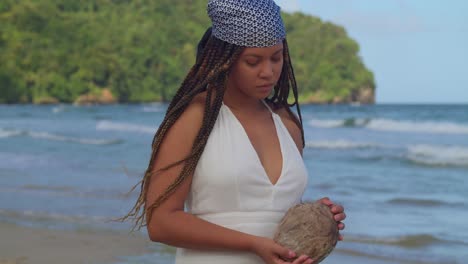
[258,56]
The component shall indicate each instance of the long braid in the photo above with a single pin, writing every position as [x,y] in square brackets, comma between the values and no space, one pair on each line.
[287,82]
[292,78]
[213,62]
[209,71]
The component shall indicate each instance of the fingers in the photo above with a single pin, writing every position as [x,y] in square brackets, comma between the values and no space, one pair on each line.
[280,261]
[304,259]
[284,253]
[326,201]
[336,208]
[338,213]
[339,217]
[340,237]
[341,226]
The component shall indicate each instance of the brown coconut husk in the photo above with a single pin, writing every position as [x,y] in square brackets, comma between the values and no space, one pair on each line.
[308,229]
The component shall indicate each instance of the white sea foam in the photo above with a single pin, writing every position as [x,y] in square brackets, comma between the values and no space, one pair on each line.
[154,108]
[126,127]
[382,124]
[58,109]
[9,133]
[42,216]
[427,155]
[326,123]
[56,137]
[420,127]
[87,141]
[438,155]
[340,144]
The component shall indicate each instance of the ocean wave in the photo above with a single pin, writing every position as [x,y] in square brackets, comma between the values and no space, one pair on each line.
[47,217]
[340,144]
[125,127]
[68,191]
[56,137]
[430,155]
[401,256]
[4,133]
[420,127]
[407,241]
[154,108]
[59,109]
[422,155]
[421,202]
[47,188]
[381,124]
[86,141]
[61,192]
[326,123]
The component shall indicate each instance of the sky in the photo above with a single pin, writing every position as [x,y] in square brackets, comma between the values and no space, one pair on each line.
[417,49]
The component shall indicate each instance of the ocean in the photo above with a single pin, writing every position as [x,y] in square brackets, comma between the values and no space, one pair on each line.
[401,171]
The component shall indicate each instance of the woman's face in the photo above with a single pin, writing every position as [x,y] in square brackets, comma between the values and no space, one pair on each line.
[256,72]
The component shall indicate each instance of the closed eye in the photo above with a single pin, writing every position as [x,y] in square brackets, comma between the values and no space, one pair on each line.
[251,62]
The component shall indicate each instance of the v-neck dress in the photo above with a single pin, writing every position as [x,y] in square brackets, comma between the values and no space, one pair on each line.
[231,188]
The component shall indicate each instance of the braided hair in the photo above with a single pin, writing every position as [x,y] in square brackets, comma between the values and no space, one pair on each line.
[213,62]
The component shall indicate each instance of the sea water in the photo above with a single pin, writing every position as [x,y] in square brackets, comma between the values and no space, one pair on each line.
[401,171]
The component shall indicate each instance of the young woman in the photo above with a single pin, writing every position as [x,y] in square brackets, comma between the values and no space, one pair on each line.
[229,149]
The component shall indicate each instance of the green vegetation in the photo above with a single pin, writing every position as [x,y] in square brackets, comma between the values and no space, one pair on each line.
[140,50]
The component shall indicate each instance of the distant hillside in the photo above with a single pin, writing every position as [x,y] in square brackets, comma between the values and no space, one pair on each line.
[108,51]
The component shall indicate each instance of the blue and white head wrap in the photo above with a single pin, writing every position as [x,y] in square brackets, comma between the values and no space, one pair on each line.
[248,23]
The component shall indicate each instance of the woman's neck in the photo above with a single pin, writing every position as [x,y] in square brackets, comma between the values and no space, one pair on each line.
[240,102]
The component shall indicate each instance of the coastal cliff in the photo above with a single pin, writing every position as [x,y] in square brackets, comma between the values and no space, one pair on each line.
[101,52]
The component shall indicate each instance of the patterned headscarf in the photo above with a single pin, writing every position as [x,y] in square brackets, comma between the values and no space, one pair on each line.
[248,23]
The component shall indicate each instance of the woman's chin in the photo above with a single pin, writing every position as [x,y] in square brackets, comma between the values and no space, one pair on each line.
[264,92]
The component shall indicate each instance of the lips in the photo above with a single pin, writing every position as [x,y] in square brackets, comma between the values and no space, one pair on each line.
[268,85]
[265,89]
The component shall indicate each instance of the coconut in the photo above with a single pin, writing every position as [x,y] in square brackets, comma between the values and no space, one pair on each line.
[308,229]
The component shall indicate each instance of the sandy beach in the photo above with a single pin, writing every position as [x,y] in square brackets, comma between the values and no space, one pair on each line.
[24,245]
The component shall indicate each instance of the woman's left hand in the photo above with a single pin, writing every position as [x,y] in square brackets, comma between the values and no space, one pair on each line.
[338,213]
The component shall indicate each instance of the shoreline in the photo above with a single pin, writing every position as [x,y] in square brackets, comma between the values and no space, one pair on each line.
[32,245]
[24,245]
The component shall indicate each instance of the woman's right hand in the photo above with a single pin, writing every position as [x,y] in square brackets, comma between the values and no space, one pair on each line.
[273,253]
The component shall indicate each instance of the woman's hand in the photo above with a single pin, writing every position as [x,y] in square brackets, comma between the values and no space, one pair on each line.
[338,213]
[273,253]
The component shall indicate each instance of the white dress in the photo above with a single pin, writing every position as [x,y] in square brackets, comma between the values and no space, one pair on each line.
[230,187]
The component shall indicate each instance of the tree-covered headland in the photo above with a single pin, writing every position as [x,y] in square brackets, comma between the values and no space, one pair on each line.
[140,50]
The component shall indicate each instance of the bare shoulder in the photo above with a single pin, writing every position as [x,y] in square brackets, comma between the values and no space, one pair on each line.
[290,120]
[179,138]
[181,135]
[189,122]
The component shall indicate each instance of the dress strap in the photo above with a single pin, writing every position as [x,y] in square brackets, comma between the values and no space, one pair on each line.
[267,106]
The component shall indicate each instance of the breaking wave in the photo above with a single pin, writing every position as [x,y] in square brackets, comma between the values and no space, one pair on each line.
[125,127]
[393,125]
[6,133]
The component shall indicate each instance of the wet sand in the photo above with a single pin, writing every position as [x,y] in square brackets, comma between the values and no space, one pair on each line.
[25,245]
